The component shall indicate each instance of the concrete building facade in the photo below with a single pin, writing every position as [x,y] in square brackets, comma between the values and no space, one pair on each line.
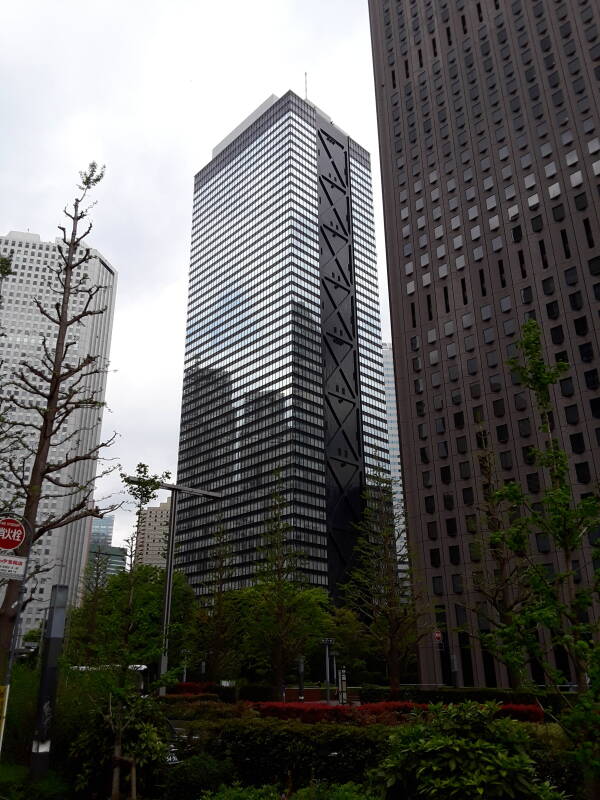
[489,135]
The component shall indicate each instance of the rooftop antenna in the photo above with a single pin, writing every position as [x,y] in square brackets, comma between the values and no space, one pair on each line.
[306,85]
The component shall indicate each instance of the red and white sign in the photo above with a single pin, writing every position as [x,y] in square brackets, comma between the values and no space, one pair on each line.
[437,636]
[12,533]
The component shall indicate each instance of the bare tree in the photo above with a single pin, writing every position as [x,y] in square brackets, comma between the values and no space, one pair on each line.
[45,400]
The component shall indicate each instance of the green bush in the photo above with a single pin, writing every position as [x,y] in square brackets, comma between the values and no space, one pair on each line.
[20,718]
[195,774]
[462,752]
[206,710]
[269,751]
[323,791]
[243,793]
[316,791]
[554,758]
[15,785]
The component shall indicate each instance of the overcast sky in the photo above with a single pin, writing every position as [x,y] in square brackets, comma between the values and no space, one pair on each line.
[148,87]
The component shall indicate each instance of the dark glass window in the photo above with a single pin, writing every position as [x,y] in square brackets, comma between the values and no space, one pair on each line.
[454,554]
[502,433]
[583,473]
[547,286]
[577,443]
[576,301]
[591,379]
[557,334]
[586,352]
[566,387]
[451,526]
[435,558]
[572,414]
[432,530]
[571,276]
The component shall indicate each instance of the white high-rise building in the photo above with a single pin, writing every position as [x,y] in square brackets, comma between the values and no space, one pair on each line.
[152,533]
[391,410]
[60,555]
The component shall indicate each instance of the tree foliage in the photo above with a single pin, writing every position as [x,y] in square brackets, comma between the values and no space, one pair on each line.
[282,617]
[119,620]
[380,589]
[556,608]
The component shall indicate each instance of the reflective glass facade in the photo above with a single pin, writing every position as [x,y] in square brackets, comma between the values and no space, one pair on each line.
[255,414]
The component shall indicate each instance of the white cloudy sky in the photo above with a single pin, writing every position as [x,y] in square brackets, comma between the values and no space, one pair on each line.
[148,87]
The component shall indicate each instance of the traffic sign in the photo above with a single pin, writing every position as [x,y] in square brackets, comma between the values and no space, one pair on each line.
[437,636]
[12,533]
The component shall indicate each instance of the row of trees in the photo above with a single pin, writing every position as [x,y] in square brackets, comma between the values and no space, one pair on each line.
[259,632]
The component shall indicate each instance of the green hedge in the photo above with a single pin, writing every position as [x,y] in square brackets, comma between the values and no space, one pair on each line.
[269,751]
[15,785]
[275,752]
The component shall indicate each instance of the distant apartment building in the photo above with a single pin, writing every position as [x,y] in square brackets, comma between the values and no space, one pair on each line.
[152,532]
[58,557]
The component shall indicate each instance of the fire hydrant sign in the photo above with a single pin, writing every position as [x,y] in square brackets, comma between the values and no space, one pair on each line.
[12,567]
[12,533]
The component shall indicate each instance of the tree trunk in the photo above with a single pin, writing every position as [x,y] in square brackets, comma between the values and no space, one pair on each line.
[133,775]
[278,674]
[394,669]
[116,776]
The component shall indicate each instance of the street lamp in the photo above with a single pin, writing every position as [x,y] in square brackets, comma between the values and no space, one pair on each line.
[327,643]
[175,489]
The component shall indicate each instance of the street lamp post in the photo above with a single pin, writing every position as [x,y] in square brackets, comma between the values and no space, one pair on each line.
[175,489]
[327,643]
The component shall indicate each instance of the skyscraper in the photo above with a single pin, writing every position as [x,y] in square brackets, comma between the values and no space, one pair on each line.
[283,387]
[152,534]
[490,152]
[102,531]
[391,411]
[60,555]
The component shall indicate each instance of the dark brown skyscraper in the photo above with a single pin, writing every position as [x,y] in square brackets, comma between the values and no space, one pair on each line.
[490,153]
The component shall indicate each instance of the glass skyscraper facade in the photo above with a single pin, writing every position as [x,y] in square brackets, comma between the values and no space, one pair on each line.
[283,386]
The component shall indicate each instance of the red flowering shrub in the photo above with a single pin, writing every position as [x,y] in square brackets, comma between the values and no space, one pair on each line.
[387,713]
[521,712]
[192,687]
[304,712]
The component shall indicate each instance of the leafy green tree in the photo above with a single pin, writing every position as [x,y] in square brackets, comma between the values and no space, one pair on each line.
[119,621]
[217,631]
[380,589]
[282,617]
[558,610]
